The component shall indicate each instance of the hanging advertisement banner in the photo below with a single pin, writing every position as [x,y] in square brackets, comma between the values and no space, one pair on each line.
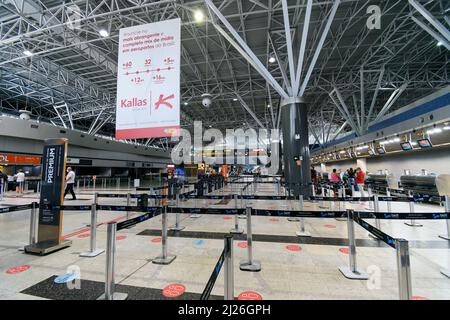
[148,81]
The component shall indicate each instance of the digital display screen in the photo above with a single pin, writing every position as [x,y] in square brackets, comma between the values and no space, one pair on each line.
[406,146]
[371,152]
[381,150]
[424,143]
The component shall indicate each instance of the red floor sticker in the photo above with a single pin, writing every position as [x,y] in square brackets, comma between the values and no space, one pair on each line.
[173,290]
[81,236]
[330,226]
[419,298]
[121,237]
[76,233]
[294,247]
[242,245]
[344,250]
[227,218]
[18,269]
[274,220]
[157,240]
[249,295]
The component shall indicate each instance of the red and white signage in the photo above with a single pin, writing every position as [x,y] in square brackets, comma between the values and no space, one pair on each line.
[148,81]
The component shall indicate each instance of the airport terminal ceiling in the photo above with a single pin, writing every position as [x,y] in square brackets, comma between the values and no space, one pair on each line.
[54,62]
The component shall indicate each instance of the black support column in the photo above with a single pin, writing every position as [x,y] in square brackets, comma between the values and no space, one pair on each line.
[294,125]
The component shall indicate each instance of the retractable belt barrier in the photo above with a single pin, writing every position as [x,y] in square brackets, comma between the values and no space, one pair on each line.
[376,232]
[212,279]
[15,208]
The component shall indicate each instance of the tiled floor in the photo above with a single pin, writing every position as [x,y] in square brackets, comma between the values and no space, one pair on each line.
[311,273]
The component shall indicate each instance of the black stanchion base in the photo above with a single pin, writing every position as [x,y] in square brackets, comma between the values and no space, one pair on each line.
[116,296]
[164,261]
[417,225]
[174,228]
[91,254]
[255,266]
[303,234]
[353,275]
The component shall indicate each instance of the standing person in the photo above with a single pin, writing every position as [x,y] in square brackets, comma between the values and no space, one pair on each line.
[335,178]
[3,184]
[360,177]
[70,181]
[20,179]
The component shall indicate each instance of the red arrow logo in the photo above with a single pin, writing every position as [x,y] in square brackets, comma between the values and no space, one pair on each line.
[163,101]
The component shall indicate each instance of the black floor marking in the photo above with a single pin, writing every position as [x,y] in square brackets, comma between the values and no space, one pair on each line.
[91,290]
[294,239]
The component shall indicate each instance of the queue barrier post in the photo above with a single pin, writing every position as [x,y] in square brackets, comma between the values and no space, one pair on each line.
[296,219]
[236,229]
[228,269]
[250,264]
[177,226]
[110,284]
[302,232]
[370,194]
[322,202]
[403,269]
[412,222]
[376,208]
[164,259]
[447,210]
[352,272]
[93,251]
[242,216]
[330,197]
[128,203]
[388,203]
[34,216]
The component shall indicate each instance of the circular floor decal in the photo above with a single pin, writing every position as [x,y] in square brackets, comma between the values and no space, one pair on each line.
[227,218]
[344,250]
[242,245]
[330,226]
[294,247]
[173,290]
[81,236]
[419,298]
[157,240]
[198,243]
[18,269]
[249,295]
[121,238]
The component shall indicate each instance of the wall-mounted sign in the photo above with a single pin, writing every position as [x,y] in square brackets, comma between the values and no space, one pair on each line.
[148,81]
[9,158]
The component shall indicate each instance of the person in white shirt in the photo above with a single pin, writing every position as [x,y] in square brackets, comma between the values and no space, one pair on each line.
[70,181]
[20,179]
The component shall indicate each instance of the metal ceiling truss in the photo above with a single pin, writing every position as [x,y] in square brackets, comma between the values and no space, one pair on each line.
[321,47]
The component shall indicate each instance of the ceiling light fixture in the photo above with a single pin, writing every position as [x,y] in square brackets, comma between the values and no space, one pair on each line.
[28,53]
[104,33]
[198,15]
[272,60]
